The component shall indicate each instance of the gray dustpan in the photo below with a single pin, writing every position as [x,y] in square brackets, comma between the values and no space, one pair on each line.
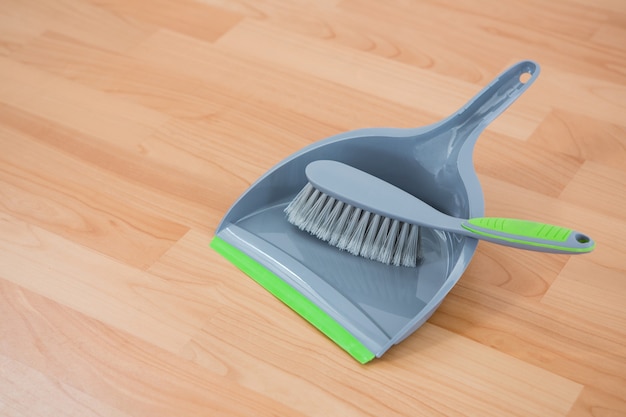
[365,306]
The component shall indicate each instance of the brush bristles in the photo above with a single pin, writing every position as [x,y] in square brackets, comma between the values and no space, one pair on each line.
[353,229]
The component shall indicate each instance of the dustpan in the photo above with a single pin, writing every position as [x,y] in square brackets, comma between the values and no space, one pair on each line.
[365,306]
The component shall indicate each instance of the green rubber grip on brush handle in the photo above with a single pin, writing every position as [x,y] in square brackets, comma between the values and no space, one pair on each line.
[525,234]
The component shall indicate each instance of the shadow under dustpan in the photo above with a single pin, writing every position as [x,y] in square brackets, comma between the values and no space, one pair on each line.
[362,305]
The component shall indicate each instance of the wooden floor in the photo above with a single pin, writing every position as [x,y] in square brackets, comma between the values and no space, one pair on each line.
[128,128]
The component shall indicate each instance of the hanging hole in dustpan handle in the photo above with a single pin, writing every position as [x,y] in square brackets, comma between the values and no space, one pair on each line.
[524,77]
[518,77]
[526,72]
[529,70]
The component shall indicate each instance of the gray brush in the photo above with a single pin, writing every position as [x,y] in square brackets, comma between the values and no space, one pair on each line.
[366,216]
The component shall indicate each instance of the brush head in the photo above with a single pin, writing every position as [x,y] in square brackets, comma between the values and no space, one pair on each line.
[353,229]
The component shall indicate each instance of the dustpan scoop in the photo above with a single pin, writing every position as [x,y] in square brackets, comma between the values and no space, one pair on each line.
[365,306]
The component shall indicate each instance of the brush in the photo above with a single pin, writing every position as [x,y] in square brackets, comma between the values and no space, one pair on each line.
[367,216]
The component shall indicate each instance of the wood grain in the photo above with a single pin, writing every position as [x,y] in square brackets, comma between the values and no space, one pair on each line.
[127,129]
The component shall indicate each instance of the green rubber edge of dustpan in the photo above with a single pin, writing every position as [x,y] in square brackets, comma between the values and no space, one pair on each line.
[292,298]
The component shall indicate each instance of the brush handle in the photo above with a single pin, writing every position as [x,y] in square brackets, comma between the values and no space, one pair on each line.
[525,234]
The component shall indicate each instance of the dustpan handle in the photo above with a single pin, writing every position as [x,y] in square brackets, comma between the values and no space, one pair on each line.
[498,95]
